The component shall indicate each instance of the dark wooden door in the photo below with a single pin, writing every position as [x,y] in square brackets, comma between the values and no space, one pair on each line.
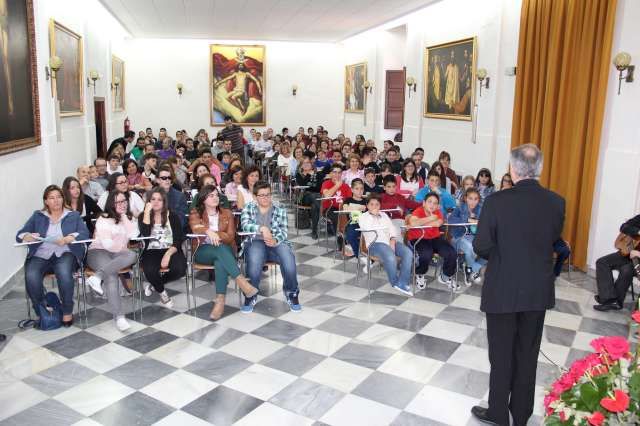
[394,99]
[101,127]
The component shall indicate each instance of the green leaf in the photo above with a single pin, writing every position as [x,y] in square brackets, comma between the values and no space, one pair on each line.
[553,421]
[590,396]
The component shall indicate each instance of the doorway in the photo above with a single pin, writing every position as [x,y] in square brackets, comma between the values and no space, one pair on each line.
[101,127]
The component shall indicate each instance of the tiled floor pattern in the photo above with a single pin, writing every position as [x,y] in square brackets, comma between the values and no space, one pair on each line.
[349,358]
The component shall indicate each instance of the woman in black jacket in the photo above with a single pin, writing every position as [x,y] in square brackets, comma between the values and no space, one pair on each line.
[308,176]
[75,199]
[162,258]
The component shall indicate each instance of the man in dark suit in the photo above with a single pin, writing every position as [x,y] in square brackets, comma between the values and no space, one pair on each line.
[516,232]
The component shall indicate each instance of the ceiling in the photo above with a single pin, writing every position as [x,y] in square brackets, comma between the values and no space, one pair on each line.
[290,20]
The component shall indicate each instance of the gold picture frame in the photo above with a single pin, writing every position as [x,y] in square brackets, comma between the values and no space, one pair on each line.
[355,97]
[68,84]
[19,106]
[118,92]
[449,89]
[246,105]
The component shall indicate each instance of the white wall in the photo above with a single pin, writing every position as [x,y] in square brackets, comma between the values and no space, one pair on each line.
[24,174]
[156,66]
[617,196]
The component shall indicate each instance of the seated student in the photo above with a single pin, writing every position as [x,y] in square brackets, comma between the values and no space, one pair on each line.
[408,183]
[423,165]
[113,164]
[420,170]
[136,180]
[387,246]
[90,188]
[165,251]
[392,158]
[118,181]
[101,169]
[445,161]
[190,152]
[138,151]
[369,155]
[177,202]
[336,158]
[447,202]
[563,251]
[150,167]
[334,187]
[167,149]
[385,170]
[231,189]
[109,253]
[206,157]
[430,214]
[611,294]
[57,227]
[462,236]
[308,176]
[391,200]
[250,177]
[294,164]
[322,161]
[467,182]
[484,184]
[284,160]
[269,221]
[370,184]
[225,159]
[263,144]
[203,181]
[76,201]
[356,204]
[218,248]
[200,170]
[506,182]
[354,171]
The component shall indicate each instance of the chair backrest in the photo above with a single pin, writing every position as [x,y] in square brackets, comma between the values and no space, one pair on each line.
[363,245]
[343,220]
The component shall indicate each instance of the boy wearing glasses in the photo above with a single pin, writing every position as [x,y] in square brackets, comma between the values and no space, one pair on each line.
[269,222]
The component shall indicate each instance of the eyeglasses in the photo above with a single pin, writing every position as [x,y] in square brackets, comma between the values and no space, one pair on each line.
[263,195]
[164,177]
[213,194]
[121,202]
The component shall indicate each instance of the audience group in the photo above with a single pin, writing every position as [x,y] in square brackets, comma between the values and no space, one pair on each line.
[152,191]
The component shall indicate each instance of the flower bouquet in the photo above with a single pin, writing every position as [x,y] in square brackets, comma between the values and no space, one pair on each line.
[602,388]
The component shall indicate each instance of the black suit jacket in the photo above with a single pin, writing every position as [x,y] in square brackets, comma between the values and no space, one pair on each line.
[516,232]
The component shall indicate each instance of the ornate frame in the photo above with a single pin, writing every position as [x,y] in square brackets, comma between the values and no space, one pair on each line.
[122,88]
[346,75]
[53,26]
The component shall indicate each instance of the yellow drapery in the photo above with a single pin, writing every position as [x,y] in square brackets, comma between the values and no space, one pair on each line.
[563,64]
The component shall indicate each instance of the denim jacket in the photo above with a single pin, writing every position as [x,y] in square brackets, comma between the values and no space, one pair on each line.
[72,223]
[461,215]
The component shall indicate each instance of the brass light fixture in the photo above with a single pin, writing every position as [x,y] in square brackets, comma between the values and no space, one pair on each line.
[115,84]
[368,86]
[91,80]
[294,89]
[622,62]
[481,74]
[180,86]
[412,84]
[55,64]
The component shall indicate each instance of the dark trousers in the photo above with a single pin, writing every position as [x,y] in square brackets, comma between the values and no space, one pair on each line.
[353,237]
[311,199]
[151,266]
[607,288]
[425,250]
[514,343]
[562,254]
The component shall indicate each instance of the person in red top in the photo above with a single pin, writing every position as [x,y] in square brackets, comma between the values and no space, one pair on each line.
[392,200]
[430,214]
[333,186]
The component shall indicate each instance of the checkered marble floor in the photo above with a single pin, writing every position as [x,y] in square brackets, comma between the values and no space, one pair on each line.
[349,358]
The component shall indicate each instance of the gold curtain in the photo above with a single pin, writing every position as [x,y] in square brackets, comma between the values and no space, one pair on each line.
[563,65]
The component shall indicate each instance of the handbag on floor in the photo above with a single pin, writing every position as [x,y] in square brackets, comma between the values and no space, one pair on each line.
[50,312]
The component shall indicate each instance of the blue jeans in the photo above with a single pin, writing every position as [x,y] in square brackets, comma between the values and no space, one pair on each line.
[562,253]
[257,253]
[353,237]
[63,267]
[465,245]
[388,258]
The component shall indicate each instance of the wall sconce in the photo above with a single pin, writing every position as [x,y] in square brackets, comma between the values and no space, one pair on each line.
[55,64]
[115,84]
[622,62]
[294,89]
[411,83]
[91,80]
[368,86]
[179,86]
[481,74]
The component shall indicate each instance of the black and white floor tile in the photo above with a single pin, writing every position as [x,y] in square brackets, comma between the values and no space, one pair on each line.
[351,357]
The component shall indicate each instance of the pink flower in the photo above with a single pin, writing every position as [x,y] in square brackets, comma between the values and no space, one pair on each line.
[617,404]
[615,347]
[636,316]
[548,399]
[596,419]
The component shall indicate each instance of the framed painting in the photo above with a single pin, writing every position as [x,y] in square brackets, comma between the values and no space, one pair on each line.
[118,90]
[354,92]
[68,84]
[237,84]
[449,77]
[18,77]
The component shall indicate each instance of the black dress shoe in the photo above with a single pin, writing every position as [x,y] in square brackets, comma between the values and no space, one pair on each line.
[3,337]
[481,414]
[597,298]
[609,305]
[67,324]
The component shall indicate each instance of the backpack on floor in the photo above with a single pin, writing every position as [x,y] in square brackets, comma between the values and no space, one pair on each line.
[303,219]
[50,312]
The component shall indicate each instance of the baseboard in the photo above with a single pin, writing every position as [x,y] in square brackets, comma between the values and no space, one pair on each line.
[15,279]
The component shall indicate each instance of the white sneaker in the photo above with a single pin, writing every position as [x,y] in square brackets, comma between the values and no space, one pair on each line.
[122,324]
[476,278]
[449,282]
[95,284]
[147,289]
[166,300]
[421,282]
[365,267]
